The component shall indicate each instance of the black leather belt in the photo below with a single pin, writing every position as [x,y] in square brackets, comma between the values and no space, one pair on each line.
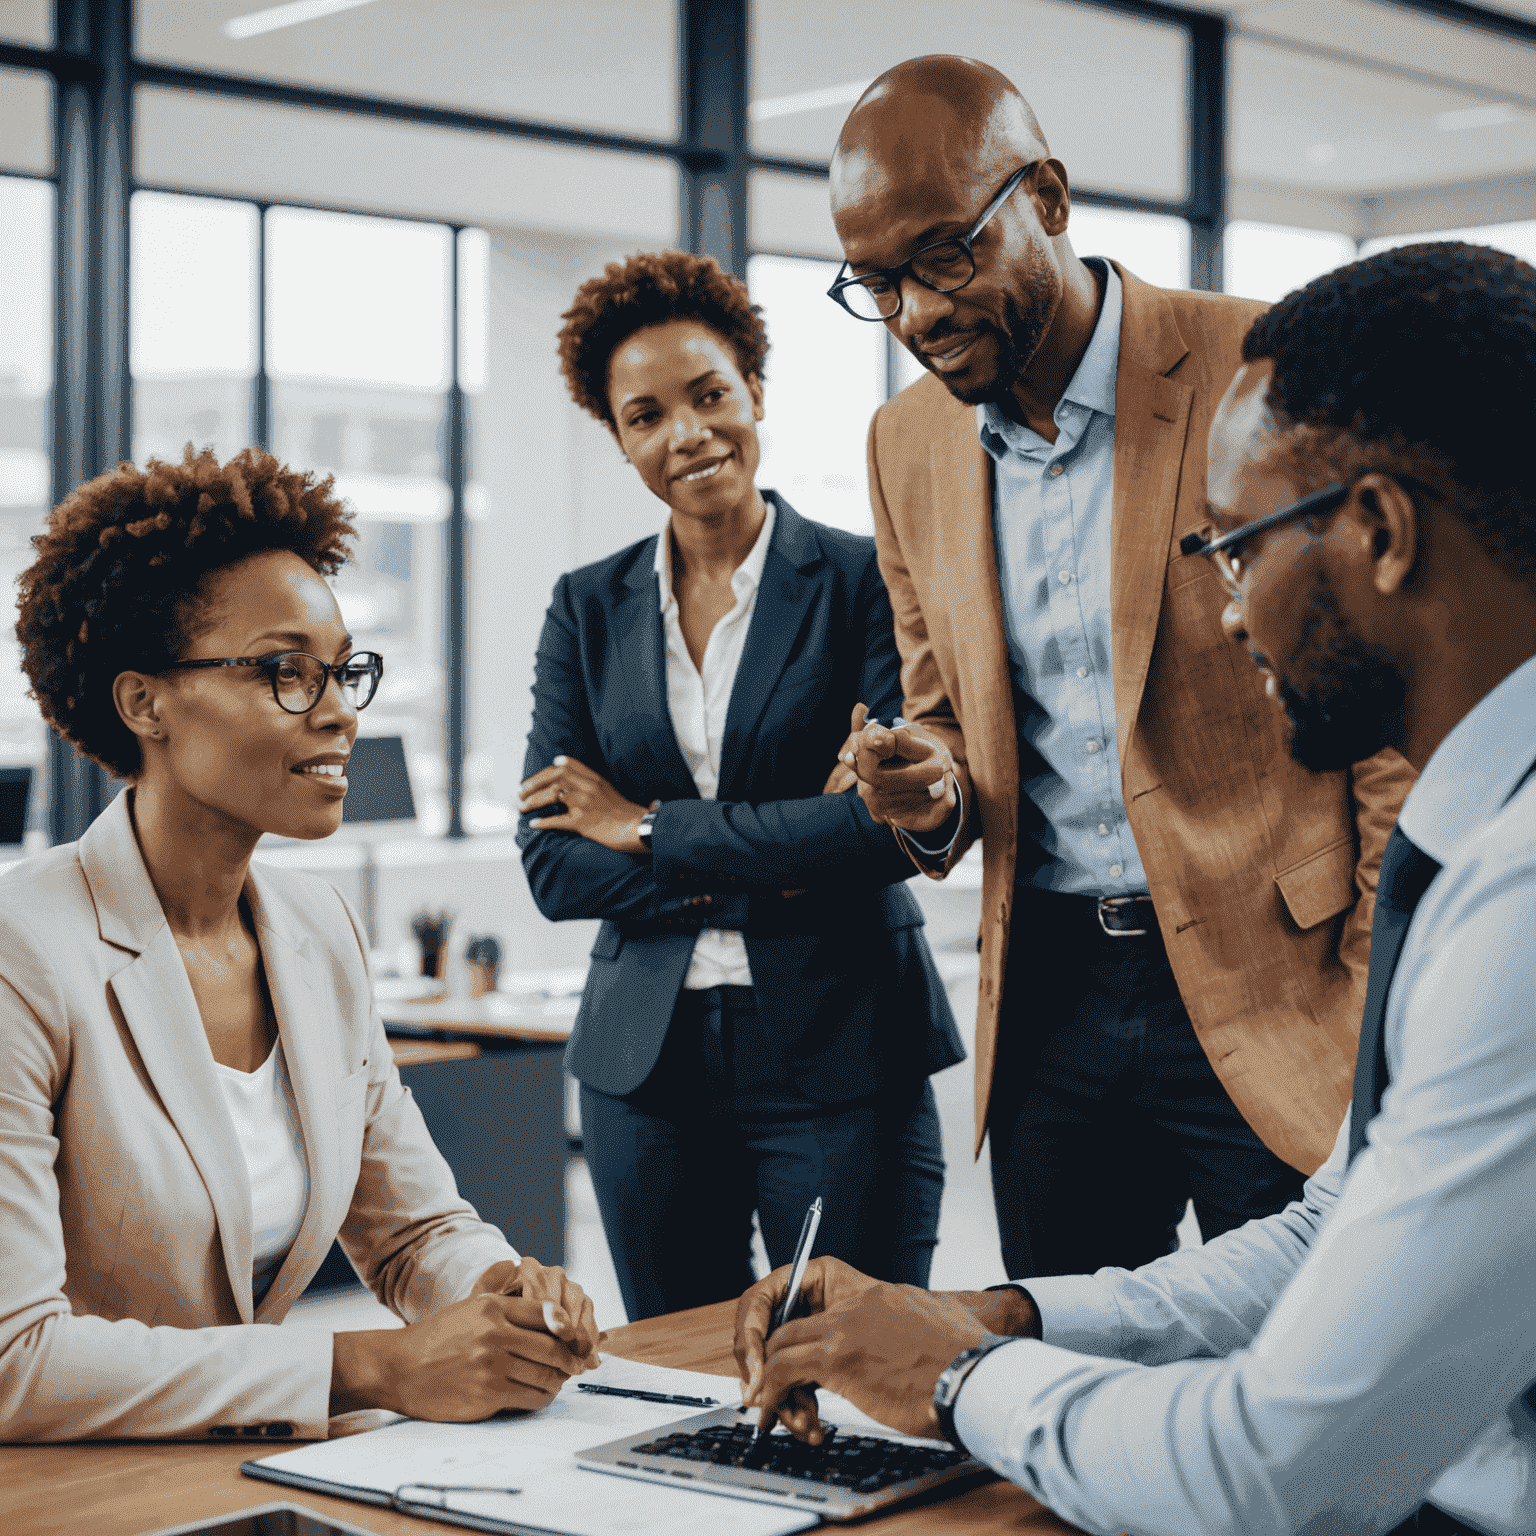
[1127,917]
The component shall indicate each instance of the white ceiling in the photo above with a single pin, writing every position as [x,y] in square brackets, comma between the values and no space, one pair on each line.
[1337,108]
[597,63]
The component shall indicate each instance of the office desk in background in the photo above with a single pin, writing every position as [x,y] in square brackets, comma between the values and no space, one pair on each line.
[120,1488]
[487,1074]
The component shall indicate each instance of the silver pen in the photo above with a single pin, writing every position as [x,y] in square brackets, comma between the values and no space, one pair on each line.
[791,1296]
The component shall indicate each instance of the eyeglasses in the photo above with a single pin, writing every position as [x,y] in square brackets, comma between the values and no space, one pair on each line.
[943,266]
[1225,553]
[298,679]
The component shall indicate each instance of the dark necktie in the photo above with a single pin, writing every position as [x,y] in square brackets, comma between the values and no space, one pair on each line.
[1406,871]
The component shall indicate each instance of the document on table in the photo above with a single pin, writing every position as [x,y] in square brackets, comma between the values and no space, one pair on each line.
[536,1453]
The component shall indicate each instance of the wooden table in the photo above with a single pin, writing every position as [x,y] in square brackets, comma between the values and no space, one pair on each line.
[125,1488]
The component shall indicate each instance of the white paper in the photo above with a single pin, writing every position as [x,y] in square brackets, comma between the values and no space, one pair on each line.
[536,1453]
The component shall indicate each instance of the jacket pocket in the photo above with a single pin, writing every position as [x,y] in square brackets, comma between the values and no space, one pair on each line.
[1321,886]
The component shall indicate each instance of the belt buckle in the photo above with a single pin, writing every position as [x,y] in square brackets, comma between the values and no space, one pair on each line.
[1110,903]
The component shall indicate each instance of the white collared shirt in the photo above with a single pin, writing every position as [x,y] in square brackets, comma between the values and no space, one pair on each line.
[267,1127]
[698,702]
[1330,1367]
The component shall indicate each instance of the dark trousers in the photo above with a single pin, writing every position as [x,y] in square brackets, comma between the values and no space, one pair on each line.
[1106,1117]
[718,1130]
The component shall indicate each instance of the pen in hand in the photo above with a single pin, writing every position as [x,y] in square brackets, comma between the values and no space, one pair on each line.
[802,1257]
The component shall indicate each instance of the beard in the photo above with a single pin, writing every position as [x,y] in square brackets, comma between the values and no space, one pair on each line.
[1018,338]
[1349,698]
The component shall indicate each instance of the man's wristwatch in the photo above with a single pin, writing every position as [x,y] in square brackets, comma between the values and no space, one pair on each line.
[947,1388]
[643,830]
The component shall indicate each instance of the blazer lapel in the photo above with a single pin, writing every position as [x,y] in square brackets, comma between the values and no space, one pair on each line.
[161,1014]
[297,996]
[641,646]
[785,595]
[1151,426]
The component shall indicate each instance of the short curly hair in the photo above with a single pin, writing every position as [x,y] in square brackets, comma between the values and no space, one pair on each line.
[651,289]
[1420,358]
[121,577]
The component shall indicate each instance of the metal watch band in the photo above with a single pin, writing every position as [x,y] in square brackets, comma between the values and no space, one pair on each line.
[947,1388]
[643,830]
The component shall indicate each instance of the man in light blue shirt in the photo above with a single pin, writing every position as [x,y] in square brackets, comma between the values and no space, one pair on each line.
[1173,916]
[1364,1361]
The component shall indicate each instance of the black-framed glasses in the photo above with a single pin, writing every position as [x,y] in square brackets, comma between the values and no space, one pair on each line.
[1225,553]
[298,679]
[943,266]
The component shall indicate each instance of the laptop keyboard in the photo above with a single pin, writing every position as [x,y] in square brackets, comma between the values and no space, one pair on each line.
[862,1463]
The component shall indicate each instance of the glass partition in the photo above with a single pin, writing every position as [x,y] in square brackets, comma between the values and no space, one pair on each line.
[826,375]
[186,140]
[1154,246]
[358,353]
[26,121]
[27,21]
[26,378]
[1266,261]
[192,324]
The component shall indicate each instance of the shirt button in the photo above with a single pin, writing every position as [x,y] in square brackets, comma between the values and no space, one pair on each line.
[1114,869]
[1103,830]
[1093,746]
[1056,469]
[1066,576]
[1082,671]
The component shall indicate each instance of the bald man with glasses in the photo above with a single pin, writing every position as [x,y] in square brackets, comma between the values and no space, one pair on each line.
[1175,917]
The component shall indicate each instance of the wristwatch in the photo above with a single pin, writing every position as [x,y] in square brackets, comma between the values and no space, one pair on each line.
[643,830]
[947,1388]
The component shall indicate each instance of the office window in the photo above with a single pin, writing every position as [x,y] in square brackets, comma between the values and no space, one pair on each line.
[26,121]
[193,324]
[27,21]
[1111,91]
[1154,246]
[26,377]
[598,63]
[826,377]
[548,487]
[191,141]
[1266,261]
[357,349]
[1519,239]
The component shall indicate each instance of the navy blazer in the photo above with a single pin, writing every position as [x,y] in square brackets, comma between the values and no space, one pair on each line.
[844,977]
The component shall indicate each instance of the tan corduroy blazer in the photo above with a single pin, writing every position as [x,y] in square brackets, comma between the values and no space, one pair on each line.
[125,1213]
[1263,874]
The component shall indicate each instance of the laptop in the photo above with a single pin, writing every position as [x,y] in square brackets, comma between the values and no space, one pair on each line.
[853,1472]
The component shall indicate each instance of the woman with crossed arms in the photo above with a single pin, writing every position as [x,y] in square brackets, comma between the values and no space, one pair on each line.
[762,1010]
[196,1093]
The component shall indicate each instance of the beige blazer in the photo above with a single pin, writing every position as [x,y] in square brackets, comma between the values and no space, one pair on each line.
[1263,875]
[125,1213]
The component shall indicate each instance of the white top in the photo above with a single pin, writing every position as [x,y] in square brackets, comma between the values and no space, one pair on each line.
[1329,1367]
[267,1125]
[698,703]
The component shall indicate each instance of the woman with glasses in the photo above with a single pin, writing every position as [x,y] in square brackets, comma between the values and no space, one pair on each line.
[762,1011]
[196,1093]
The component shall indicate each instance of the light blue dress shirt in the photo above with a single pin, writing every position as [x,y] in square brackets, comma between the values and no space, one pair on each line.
[1052,506]
[1329,1368]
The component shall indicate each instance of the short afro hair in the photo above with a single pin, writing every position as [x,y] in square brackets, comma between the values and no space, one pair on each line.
[647,290]
[121,576]
[1423,355]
